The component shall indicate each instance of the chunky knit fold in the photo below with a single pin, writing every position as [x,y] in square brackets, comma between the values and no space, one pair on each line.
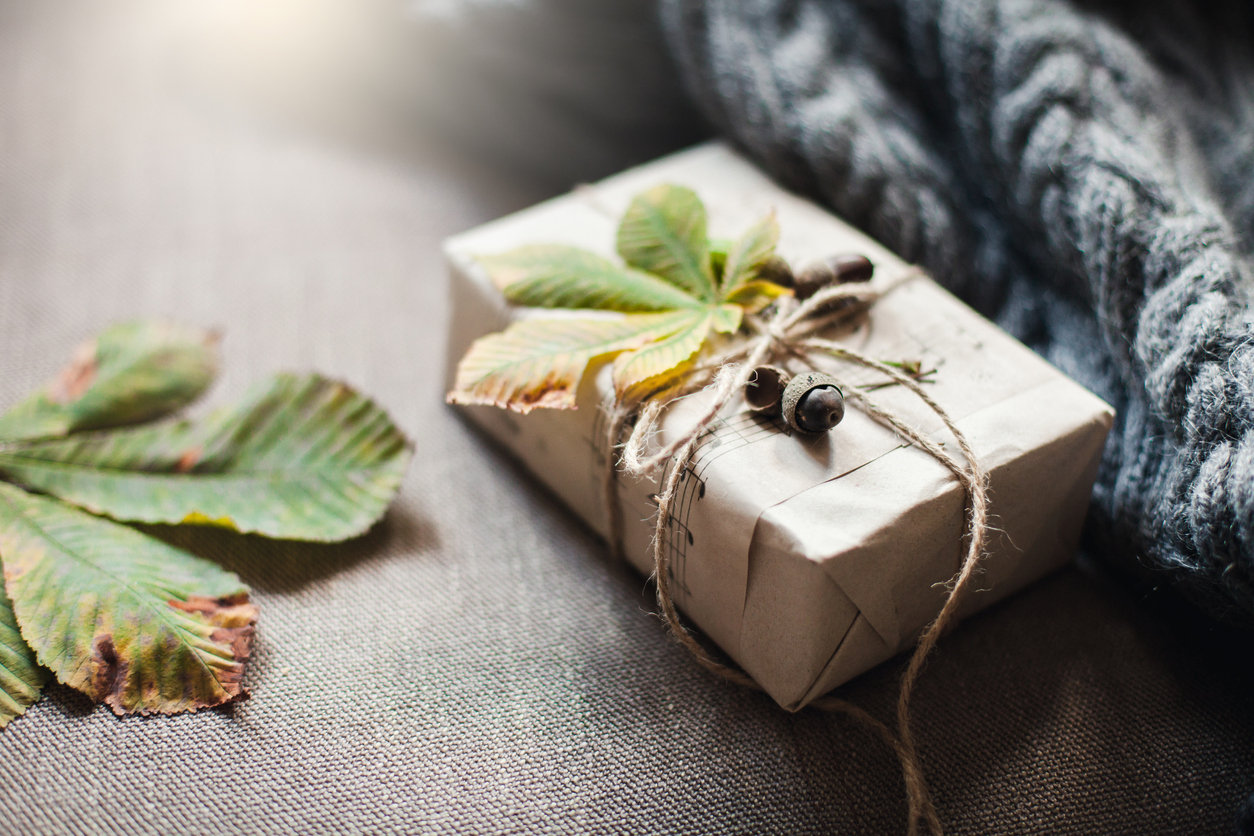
[1083,173]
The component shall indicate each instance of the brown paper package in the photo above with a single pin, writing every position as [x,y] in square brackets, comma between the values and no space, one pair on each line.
[809,560]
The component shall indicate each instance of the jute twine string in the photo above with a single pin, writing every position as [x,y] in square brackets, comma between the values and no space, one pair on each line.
[789,331]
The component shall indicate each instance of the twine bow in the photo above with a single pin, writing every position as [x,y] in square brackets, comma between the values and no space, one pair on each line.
[791,331]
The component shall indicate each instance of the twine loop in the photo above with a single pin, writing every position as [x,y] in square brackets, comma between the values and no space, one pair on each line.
[791,332]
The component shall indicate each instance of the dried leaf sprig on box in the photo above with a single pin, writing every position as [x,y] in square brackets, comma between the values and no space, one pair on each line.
[675,290]
[123,617]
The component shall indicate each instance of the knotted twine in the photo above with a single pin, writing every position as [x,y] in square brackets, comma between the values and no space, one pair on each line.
[789,330]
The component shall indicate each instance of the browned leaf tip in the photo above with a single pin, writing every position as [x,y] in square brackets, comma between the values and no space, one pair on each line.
[155,683]
[77,376]
[108,673]
[555,391]
[235,619]
[231,612]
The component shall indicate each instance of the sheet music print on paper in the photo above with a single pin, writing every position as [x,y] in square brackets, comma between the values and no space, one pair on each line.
[724,436]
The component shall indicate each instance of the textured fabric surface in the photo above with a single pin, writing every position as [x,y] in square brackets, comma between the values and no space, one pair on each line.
[474,665]
[1079,171]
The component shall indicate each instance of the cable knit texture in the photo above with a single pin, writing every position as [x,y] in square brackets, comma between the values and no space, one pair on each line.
[1079,172]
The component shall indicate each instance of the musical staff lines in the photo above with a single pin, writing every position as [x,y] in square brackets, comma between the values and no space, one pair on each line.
[723,437]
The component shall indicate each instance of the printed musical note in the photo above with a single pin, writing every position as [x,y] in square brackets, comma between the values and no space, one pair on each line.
[723,437]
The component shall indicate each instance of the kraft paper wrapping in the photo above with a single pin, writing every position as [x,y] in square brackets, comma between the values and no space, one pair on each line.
[810,559]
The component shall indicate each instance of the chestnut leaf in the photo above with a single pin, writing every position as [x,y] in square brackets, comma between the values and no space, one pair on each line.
[674,291]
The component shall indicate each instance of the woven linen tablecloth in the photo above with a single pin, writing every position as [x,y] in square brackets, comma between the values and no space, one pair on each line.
[474,664]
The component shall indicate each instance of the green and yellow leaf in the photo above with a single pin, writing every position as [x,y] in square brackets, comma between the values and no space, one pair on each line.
[749,253]
[674,272]
[727,318]
[539,362]
[21,677]
[131,373]
[554,276]
[663,232]
[638,373]
[302,457]
[755,295]
[124,618]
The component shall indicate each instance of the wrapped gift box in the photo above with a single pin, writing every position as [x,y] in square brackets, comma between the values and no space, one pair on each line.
[810,559]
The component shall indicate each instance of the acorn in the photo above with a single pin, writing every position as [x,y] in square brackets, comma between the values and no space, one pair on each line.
[813,402]
[765,389]
[838,269]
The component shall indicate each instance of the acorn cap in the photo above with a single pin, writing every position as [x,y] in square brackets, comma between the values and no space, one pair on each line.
[795,397]
[776,270]
[811,280]
[765,388]
[851,267]
[837,269]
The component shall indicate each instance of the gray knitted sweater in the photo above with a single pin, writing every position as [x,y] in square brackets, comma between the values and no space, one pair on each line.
[1083,173]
